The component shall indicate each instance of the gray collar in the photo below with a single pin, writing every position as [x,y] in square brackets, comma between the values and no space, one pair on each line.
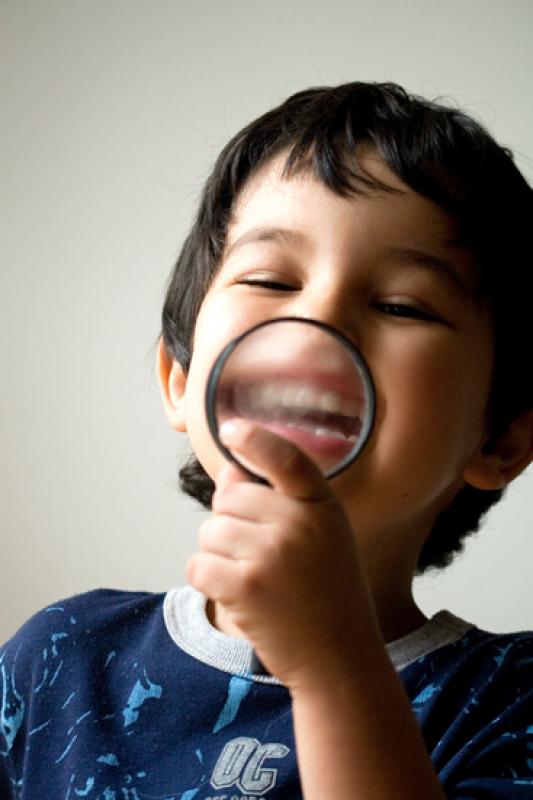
[189,628]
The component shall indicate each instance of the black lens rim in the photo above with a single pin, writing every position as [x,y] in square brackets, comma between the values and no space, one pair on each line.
[364,371]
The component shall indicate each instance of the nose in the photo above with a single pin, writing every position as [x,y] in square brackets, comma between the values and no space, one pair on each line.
[333,305]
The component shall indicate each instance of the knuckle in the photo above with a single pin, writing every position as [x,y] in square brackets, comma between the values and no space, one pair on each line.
[201,573]
[219,499]
[193,570]
[296,518]
[252,579]
[276,540]
[203,539]
[205,533]
[224,496]
[211,531]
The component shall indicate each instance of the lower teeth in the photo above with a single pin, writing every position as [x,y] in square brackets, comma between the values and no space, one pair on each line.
[327,432]
[323,432]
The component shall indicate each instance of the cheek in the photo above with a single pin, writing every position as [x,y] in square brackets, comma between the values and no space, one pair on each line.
[218,322]
[433,400]
[222,316]
[197,429]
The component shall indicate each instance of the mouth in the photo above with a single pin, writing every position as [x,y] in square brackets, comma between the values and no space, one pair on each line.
[323,421]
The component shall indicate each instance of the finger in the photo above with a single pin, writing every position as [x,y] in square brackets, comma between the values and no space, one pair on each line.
[285,466]
[229,537]
[213,575]
[230,474]
[246,500]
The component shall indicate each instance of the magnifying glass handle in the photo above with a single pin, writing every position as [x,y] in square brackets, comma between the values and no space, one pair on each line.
[256,666]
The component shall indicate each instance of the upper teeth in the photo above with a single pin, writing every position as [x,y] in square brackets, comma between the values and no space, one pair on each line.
[268,396]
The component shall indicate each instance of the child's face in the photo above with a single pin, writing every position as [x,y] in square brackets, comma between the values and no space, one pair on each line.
[385,271]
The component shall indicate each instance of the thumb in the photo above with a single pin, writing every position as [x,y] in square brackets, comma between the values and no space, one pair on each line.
[283,464]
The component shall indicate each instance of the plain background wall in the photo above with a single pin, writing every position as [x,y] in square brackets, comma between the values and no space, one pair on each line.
[112,113]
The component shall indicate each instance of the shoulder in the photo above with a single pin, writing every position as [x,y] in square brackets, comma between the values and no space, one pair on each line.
[83,622]
[484,652]
[64,644]
[95,608]
[473,700]
[476,660]
[500,666]
[503,651]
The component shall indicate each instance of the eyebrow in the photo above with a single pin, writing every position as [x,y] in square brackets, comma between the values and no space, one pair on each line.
[441,267]
[262,234]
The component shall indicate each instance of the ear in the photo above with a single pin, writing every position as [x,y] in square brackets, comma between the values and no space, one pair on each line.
[172,383]
[498,461]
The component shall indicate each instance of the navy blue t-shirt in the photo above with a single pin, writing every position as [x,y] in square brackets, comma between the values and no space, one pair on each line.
[133,696]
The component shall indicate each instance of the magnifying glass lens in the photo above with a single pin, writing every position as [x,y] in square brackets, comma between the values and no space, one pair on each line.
[301,379]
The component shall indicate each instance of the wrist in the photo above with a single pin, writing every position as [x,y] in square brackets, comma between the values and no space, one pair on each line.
[361,719]
[348,666]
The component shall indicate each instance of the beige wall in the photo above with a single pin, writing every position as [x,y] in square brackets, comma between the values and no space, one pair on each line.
[112,112]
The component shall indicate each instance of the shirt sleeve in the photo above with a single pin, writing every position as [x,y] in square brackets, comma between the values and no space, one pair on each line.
[13,714]
[477,719]
[30,665]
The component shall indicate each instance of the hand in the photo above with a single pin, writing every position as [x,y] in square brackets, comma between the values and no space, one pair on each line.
[282,560]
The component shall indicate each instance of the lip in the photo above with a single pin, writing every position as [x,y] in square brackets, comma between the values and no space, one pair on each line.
[291,346]
[311,435]
[326,451]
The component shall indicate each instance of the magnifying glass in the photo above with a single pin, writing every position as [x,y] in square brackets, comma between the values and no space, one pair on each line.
[301,379]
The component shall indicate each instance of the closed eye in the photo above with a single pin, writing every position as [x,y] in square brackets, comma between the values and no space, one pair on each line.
[277,286]
[406,311]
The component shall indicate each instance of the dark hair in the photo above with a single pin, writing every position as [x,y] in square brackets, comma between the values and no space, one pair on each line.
[441,153]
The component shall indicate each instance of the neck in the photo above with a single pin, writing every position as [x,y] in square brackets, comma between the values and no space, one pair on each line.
[397,616]
[389,577]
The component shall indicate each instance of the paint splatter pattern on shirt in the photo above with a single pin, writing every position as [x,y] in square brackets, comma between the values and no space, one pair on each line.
[96,701]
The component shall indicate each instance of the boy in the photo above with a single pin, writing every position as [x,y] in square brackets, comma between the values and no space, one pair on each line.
[389,218]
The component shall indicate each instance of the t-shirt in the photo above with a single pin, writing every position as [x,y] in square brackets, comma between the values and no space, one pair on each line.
[115,695]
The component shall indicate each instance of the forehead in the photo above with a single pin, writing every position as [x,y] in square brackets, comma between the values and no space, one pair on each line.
[269,193]
[300,214]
